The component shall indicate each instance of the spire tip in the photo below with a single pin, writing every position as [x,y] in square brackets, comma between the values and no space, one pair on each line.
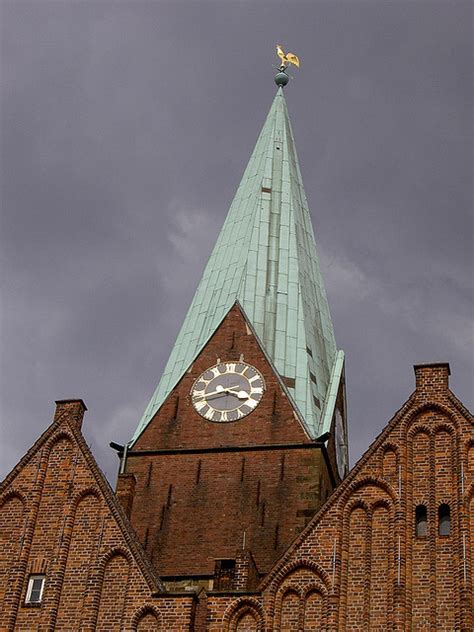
[281,78]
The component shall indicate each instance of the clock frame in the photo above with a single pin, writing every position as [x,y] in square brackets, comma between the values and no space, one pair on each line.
[227,391]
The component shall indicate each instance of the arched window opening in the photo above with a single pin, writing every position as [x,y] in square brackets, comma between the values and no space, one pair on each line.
[421,521]
[444,520]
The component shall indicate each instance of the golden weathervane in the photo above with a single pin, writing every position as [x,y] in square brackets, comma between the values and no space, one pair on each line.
[288,58]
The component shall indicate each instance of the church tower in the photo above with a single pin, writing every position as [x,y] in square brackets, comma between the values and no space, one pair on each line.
[246,433]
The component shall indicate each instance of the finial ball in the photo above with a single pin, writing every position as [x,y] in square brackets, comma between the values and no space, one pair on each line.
[281,78]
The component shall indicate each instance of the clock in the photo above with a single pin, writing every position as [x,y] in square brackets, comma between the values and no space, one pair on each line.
[340,445]
[227,391]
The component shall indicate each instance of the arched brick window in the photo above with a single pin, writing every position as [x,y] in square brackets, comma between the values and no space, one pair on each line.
[444,520]
[421,521]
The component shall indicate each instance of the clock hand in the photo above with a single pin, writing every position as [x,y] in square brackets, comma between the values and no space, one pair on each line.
[240,394]
[223,391]
[219,389]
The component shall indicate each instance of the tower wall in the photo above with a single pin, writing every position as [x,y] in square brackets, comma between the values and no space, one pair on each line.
[205,490]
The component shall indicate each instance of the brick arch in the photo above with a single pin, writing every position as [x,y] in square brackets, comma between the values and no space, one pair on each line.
[353,561]
[419,428]
[428,407]
[298,564]
[82,493]
[310,588]
[284,592]
[142,612]
[381,502]
[80,539]
[106,559]
[319,618]
[390,445]
[10,495]
[389,462]
[114,552]
[63,434]
[354,504]
[277,588]
[442,426]
[359,483]
[12,524]
[239,608]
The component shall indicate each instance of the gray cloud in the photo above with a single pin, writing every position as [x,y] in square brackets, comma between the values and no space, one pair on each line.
[125,128]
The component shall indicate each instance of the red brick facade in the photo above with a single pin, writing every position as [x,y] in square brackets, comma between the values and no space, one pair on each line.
[358,565]
[59,518]
[203,489]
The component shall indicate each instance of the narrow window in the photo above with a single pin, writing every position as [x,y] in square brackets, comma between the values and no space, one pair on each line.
[444,520]
[421,521]
[224,573]
[34,592]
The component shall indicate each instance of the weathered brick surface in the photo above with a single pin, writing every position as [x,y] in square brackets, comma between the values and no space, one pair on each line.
[59,517]
[192,507]
[358,565]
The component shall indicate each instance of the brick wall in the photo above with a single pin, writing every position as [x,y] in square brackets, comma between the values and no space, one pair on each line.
[203,488]
[359,565]
[59,518]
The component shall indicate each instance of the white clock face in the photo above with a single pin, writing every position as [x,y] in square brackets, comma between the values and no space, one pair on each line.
[340,443]
[227,391]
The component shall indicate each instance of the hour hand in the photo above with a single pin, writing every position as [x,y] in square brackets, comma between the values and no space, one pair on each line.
[240,394]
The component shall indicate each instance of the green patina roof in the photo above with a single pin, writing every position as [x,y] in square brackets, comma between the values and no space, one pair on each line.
[265,258]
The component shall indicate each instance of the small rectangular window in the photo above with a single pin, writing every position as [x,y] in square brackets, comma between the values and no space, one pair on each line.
[224,573]
[34,592]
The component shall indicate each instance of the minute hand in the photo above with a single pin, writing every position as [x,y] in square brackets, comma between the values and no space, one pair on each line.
[225,391]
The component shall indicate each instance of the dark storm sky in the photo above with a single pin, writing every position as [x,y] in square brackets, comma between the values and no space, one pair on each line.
[125,128]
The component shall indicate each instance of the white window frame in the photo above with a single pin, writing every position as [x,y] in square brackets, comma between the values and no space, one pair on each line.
[29,590]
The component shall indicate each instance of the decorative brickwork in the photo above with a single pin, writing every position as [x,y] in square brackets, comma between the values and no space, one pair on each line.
[358,565]
[59,517]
